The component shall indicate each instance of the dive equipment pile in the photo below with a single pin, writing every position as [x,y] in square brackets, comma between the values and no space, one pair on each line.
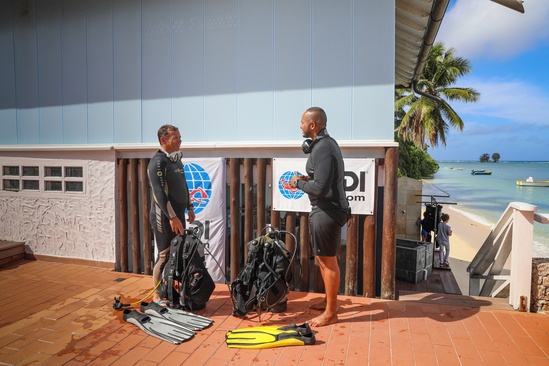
[171,325]
[186,283]
[265,279]
[270,336]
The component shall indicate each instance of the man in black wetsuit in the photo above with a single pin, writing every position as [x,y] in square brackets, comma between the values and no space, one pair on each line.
[329,206]
[170,195]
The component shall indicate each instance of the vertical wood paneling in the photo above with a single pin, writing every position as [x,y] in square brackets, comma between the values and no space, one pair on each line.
[234,204]
[145,214]
[134,209]
[123,208]
[242,231]
[388,255]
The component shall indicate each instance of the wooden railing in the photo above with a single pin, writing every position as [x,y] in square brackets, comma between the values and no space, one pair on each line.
[135,236]
[512,236]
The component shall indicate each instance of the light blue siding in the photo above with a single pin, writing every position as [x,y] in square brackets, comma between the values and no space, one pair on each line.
[107,71]
[100,73]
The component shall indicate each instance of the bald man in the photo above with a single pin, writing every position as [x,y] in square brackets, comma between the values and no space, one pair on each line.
[329,206]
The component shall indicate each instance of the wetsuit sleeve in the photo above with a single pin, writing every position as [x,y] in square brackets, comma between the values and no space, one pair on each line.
[324,167]
[157,178]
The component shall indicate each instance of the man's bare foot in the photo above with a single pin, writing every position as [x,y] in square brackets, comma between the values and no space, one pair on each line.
[319,305]
[323,319]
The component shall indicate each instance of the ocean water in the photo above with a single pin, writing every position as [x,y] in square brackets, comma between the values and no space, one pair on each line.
[484,198]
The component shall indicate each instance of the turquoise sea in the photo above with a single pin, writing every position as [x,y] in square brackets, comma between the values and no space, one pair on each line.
[484,198]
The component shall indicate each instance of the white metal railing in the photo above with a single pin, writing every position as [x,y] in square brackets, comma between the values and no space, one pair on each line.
[512,235]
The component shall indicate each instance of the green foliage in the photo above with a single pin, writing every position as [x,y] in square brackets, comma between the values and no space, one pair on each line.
[414,161]
[495,157]
[424,120]
[484,158]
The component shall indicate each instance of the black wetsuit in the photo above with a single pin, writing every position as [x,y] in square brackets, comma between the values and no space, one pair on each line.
[170,195]
[325,169]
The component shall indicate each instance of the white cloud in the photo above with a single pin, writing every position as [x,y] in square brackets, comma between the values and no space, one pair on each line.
[483,28]
[514,101]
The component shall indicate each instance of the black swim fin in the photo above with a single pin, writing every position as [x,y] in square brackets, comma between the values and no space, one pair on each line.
[184,318]
[270,336]
[158,327]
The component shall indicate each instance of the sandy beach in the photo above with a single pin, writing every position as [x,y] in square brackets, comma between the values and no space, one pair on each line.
[467,238]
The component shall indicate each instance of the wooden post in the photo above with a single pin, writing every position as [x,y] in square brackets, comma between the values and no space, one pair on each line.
[369,257]
[304,252]
[123,206]
[351,263]
[234,179]
[261,193]
[136,237]
[248,203]
[388,243]
[275,215]
[290,227]
[146,203]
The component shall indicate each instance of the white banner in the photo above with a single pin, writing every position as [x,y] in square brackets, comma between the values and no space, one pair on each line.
[358,183]
[206,181]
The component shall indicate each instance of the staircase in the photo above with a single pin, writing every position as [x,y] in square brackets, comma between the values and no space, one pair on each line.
[510,241]
[11,251]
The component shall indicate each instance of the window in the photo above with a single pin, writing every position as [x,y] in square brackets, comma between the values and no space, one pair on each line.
[43,178]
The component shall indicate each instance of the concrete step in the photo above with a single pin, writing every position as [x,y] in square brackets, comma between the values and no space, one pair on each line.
[11,251]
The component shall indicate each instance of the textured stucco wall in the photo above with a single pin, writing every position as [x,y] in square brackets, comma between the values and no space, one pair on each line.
[70,225]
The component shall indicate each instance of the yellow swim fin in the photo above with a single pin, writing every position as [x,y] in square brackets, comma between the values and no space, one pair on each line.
[269,336]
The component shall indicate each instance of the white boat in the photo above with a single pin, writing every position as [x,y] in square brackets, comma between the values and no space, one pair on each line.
[531,182]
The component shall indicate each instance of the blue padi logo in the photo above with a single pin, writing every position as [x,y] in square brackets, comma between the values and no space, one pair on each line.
[284,187]
[200,186]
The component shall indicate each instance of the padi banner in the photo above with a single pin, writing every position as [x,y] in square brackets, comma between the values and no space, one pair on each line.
[206,181]
[358,183]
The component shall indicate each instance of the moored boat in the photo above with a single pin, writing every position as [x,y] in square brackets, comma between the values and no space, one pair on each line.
[481,172]
[531,182]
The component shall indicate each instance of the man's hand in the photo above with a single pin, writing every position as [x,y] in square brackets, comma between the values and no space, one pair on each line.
[191,216]
[177,225]
[295,178]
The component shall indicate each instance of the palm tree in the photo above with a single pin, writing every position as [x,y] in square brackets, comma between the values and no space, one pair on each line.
[427,120]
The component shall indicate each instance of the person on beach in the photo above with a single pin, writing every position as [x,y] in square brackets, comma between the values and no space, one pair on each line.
[329,207]
[444,232]
[423,225]
[170,197]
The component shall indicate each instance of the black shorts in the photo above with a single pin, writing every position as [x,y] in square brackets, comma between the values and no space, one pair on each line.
[325,233]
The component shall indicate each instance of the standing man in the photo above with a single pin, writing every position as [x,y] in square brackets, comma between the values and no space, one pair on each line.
[329,206]
[170,195]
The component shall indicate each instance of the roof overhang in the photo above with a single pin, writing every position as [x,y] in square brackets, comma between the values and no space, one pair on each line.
[417,24]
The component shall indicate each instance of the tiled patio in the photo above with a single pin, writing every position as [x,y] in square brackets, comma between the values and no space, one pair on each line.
[61,314]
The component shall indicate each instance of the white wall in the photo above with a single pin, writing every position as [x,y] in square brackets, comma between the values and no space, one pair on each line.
[73,225]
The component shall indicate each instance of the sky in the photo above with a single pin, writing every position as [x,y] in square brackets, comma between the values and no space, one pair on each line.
[509,57]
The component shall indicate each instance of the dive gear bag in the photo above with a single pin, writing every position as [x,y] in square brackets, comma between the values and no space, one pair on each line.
[265,279]
[186,282]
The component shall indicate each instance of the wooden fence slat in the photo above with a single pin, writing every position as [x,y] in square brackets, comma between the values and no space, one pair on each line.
[369,257]
[234,179]
[134,201]
[261,193]
[351,266]
[248,203]
[304,252]
[388,247]
[145,214]
[123,202]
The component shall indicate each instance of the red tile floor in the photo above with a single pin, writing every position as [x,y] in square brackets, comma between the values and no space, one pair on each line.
[61,314]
